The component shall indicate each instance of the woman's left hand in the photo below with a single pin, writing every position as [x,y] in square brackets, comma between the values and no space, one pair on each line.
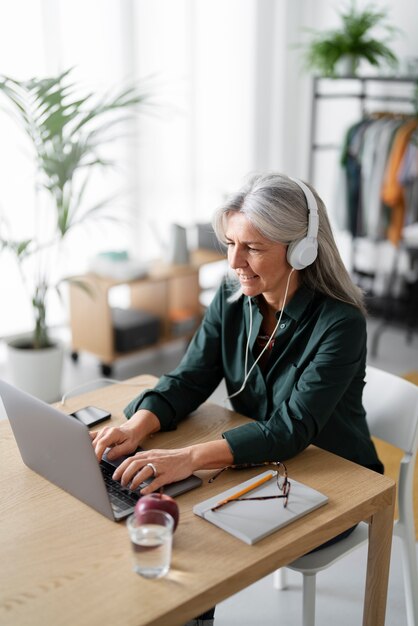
[170,466]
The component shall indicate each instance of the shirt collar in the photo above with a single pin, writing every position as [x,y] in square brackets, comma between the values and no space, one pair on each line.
[297,305]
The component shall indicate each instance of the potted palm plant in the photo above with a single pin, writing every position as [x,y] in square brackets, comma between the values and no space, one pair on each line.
[66,132]
[364,35]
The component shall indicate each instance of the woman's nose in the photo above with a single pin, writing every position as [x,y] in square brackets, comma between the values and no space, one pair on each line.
[237,258]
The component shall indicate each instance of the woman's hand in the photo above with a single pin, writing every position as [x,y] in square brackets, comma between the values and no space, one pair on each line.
[121,439]
[170,466]
[124,439]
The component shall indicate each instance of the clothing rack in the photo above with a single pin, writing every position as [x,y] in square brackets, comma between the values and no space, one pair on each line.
[390,308]
[364,97]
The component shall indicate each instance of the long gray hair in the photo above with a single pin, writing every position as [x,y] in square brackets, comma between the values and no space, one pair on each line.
[276,206]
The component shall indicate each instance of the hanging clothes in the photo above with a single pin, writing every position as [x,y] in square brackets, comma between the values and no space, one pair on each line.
[392,191]
[408,178]
[350,160]
[381,194]
[377,142]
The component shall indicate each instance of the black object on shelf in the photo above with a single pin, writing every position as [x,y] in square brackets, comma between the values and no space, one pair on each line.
[134,329]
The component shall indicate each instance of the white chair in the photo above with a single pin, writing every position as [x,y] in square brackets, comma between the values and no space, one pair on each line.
[391,404]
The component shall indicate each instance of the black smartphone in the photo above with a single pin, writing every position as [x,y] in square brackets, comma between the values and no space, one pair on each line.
[91,415]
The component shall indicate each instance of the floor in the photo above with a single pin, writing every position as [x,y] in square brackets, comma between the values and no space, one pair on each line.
[340,589]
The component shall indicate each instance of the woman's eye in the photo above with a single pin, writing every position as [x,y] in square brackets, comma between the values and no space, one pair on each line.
[249,248]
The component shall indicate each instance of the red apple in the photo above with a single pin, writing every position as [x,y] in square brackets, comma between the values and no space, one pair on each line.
[158,501]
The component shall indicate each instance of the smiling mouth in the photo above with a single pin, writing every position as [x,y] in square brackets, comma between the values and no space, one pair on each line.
[246,278]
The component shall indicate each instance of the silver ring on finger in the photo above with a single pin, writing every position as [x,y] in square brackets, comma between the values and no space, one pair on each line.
[154,469]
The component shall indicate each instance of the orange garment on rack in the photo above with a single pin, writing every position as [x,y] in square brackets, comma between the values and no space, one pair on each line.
[392,191]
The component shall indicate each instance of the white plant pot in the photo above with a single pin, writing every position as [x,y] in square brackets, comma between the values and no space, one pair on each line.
[347,65]
[37,372]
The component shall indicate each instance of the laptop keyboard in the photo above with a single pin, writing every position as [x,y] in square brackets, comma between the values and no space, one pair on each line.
[121,498]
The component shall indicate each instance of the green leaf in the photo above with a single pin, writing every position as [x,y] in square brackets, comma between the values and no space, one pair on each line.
[81,284]
[19,248]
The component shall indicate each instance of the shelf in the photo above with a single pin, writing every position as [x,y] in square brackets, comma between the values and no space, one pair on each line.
[371,78]
[166,288]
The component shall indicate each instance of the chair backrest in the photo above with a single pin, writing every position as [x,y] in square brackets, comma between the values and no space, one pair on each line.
[391,405]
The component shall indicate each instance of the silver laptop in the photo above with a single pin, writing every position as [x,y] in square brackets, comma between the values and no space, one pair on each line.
[58,447]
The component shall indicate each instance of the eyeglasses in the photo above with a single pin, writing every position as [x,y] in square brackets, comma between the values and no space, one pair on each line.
[282,481]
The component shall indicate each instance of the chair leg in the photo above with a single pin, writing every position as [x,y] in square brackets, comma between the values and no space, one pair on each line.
[280,579]
[309,591]
[410,574]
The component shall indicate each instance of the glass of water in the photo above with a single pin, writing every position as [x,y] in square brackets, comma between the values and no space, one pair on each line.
[151,536]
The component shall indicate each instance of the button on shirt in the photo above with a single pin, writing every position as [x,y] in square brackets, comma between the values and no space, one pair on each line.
[310,391]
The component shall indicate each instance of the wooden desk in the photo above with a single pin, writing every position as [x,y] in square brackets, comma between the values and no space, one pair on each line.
[64,564]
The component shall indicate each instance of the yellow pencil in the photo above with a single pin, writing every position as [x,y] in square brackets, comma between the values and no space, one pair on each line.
[243,491]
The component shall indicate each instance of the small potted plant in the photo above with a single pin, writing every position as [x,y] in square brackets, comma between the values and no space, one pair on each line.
[338,52]
[66,131]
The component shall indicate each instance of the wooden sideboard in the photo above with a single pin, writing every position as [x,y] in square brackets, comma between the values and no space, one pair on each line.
[164,290]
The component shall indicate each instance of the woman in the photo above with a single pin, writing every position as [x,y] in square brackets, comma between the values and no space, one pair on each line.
[288,336]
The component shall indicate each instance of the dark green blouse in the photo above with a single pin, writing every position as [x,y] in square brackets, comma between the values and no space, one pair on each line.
[310,391]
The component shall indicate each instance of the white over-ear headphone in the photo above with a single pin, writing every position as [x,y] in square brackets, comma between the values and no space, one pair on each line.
[303,252]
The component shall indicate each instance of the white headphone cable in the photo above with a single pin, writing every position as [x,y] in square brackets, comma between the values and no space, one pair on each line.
[247,347]
[246,376]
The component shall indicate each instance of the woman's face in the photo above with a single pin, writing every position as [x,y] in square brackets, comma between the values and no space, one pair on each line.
[259,263]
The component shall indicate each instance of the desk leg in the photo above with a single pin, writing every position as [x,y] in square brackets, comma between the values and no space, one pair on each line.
[378,561]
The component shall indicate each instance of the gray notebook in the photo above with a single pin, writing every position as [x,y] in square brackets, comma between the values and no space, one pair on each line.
[254,520]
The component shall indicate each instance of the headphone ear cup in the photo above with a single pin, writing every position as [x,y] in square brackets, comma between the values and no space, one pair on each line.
[302,252]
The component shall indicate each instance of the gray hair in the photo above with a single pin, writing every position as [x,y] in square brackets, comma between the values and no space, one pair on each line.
[276,206]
